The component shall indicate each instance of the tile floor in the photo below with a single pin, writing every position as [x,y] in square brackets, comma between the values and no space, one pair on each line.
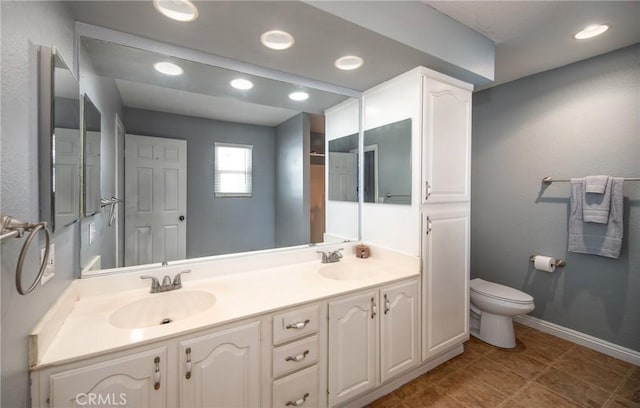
[543,371]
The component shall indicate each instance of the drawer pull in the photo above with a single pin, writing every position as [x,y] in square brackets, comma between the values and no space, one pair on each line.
[188,363]
[299,325]
[156,373]
[298,357]
[298,402]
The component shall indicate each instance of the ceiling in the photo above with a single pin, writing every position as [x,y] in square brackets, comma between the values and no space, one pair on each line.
[530,36]
[535,36]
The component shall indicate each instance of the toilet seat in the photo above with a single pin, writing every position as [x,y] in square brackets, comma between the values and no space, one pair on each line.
[499,292]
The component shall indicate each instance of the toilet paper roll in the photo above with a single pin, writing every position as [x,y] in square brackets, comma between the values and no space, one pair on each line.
[544,263]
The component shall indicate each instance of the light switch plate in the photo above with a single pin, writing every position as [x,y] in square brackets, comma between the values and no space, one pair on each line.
[50,269]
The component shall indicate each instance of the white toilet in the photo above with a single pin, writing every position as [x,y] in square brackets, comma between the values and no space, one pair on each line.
[492,309]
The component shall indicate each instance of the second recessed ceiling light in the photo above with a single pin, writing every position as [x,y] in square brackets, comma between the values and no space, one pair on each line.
[179,10]
[277,40]
[168,68]
[241,83]
[298,96]
[349,62]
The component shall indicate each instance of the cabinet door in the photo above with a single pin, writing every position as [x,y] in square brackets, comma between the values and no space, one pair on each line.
[399,348]
[221,369]
[446,156]
[138,380]
[445,279]
[353,332]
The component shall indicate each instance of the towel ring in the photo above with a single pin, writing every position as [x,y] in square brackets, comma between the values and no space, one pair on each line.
[16,229]
[23,253]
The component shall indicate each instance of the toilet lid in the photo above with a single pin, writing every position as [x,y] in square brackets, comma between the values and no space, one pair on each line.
[498,291]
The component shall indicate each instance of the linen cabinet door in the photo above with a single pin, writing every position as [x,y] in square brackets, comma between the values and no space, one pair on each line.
[353,346]
[446,156]
[445,279]
[138,380]
[399,329]
[222,369]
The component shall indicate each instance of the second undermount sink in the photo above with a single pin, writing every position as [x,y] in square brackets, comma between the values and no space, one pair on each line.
[162,308]
[342,271]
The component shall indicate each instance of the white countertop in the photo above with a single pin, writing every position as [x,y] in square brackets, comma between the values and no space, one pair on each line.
[84,331]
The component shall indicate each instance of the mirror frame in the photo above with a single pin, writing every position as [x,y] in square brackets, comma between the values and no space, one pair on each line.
[130,40]
[45,57]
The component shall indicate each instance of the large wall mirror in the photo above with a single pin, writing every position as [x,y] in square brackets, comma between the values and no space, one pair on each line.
[91,157]
[215,161]
[60,141]
[387,164]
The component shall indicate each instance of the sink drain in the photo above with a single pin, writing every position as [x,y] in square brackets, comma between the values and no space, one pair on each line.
[166,321]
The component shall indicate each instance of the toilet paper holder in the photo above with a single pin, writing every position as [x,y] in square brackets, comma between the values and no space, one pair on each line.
[560,263]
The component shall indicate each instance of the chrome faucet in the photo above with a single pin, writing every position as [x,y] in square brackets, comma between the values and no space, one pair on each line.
[167,284]
[331,256]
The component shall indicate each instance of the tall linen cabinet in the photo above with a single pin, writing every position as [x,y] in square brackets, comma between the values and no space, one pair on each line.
[436,225]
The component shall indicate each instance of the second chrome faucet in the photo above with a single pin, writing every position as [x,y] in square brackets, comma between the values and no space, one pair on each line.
[167,284]
[331,256]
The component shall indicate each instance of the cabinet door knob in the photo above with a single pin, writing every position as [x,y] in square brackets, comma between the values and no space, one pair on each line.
[156,374]
[188,363]
[374,308]
[428,225]
[181,218]
[299,402]
[427,190]
[387,305]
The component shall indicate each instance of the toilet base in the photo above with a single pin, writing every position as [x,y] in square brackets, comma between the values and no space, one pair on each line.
[496,330]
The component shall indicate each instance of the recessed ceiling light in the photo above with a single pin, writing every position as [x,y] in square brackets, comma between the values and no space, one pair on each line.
[591,31]
[241,83]
[298,96]
[179,10]
[349,62]
[168,68]
[277,40]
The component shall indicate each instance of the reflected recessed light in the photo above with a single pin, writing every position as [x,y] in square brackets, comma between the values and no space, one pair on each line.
[241,83]
[277,40]
[179,10]
[168,68]
[349,62]
[299,96]
[591,31]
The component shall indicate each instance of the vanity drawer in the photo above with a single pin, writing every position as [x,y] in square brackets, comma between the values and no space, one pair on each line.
[295,390]
[296,323]
[294,356]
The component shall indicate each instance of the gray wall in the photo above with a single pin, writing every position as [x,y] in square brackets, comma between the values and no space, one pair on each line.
[43,23]
[578,120]
[105,96]
[292,188]
[218,225]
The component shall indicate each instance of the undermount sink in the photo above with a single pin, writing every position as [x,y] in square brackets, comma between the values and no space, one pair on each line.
[162,308]
[340,271]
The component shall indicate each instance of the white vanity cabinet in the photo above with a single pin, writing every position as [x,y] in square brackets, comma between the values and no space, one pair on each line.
[221,369]
[435,226]
[445,277]
[299,357]
[373,336]
[137,380]
[446,142]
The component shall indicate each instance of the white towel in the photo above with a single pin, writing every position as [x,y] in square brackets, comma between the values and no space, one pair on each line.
[595,206]
[591,238]
[596,184]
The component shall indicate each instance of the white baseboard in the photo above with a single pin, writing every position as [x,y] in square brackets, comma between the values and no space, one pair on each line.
[594,343]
